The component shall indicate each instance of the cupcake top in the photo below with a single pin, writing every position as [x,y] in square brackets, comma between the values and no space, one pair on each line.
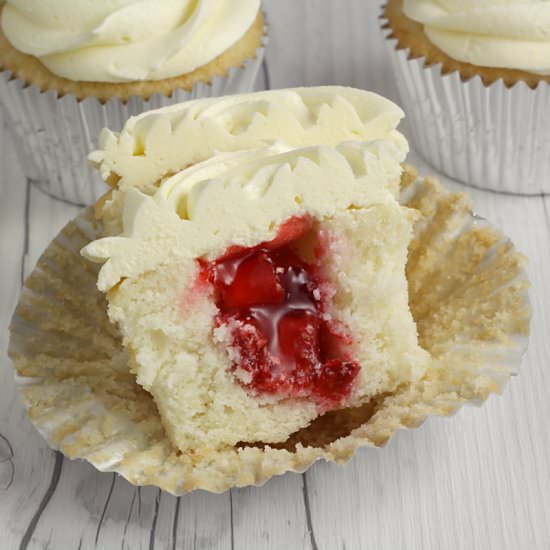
[164,141]
[125,40]
[239,199]
[508,34]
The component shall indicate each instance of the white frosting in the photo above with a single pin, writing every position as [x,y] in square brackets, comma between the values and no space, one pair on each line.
[164,141]
[511,34]
[241,199]
[126,40]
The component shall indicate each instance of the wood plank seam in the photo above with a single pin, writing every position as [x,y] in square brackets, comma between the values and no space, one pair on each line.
[309,523]
[152,534]
[175,523]
[130,510]
[56,474]
[107,500]
[231,519]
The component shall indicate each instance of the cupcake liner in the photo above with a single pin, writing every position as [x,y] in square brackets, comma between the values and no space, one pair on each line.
[489,136]
[54,134]
[468,293]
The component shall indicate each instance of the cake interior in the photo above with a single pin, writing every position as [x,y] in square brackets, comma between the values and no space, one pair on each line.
[254,345]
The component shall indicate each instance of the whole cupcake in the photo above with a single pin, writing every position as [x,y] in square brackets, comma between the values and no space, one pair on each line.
[70,68]
[474,80]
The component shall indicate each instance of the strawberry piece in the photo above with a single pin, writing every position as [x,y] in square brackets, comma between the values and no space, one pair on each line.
[248,282]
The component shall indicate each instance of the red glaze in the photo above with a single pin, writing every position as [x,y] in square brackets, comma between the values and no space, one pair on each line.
[274,303]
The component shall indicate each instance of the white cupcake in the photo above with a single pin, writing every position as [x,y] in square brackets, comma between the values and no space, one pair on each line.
[256,291]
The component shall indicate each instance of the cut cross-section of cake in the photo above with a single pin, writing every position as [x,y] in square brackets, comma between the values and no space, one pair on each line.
[258,290]
[162,142]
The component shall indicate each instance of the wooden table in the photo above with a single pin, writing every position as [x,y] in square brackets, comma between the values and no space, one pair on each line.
[478,480]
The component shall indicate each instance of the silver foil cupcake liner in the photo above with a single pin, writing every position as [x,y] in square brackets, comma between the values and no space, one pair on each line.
[492,137]
[468,294]
[54,135]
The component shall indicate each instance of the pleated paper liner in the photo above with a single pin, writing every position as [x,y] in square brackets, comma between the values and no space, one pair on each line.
[468,294]
[493,135]
[54,134]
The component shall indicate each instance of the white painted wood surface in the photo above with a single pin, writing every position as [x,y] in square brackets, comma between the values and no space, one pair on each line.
[478,480]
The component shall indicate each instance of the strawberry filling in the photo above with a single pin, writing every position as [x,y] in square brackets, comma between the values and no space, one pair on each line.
[274,304]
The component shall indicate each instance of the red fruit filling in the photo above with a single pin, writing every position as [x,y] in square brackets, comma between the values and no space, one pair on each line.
[274,305]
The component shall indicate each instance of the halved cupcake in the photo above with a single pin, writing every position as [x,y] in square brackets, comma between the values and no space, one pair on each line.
[257,290]
[160,143]
[467,294]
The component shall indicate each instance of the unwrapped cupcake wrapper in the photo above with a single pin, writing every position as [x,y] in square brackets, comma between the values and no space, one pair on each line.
[54,135]
[468,294]
[492,137]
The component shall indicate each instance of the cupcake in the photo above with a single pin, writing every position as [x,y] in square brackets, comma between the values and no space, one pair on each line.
[70,68]
[250,311]
[474,80]
[271,254]
[257,291]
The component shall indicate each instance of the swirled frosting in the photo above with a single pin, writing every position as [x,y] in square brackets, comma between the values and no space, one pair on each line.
[509,34]
[240,199]
[126,40]
[166,140]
